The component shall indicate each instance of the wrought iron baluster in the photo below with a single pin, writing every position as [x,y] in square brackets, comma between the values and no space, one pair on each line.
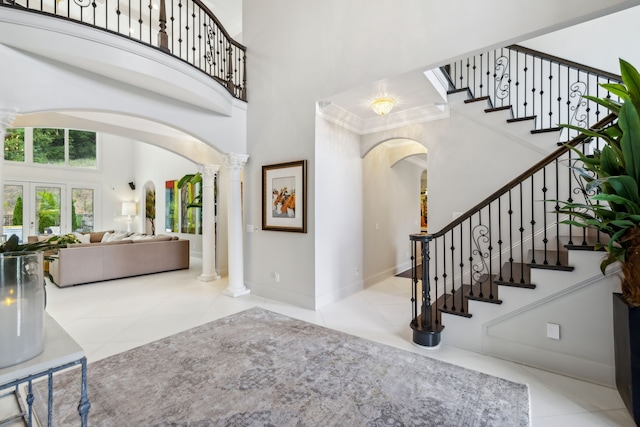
[533,223]
[521,229]
[435,280]
[444,270]
[510,212]
[490,272]
[570,192]
[500,237]
[471,265]
[453,274]
[544,239]
[557,213]
[461,256]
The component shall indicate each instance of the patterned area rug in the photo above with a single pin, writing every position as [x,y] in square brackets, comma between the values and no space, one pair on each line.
[259,368]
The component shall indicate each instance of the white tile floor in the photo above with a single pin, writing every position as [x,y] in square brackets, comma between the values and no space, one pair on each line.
[111,317]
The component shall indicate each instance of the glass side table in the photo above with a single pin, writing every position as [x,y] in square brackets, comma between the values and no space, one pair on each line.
[60,352]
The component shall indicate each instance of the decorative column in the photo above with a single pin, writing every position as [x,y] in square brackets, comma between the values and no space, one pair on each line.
[209,173]
[236,287]
[6,121]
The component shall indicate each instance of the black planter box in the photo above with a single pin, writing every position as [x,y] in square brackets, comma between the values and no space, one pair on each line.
[626,334]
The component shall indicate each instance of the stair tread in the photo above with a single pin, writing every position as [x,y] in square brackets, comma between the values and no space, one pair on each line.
[584,242]
[515,274]
[545,130]
[482,98]
[456,305]
[485,290]
[550,260]
[494,109]
[464,89]
[521,119]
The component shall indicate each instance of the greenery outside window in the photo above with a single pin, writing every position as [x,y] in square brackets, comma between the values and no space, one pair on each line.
[82,148]
[48,146]
[82,209]
[52,146]
[14,145]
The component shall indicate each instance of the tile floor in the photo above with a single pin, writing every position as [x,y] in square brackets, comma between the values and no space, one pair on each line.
[111,317]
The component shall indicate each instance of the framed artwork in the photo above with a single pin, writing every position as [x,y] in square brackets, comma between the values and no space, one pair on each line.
[284,197]
[171,206]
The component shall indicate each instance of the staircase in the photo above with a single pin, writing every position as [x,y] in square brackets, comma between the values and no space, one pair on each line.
[500,257]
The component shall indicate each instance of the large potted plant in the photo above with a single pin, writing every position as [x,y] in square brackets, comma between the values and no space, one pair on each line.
[612,182]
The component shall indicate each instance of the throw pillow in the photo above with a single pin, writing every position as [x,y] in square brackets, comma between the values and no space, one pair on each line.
[83,238]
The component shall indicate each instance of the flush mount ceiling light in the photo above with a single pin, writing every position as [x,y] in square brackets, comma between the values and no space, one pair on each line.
[382,106]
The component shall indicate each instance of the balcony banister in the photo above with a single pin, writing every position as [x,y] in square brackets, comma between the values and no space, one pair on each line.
[185,29]
[565,62]
[522,177]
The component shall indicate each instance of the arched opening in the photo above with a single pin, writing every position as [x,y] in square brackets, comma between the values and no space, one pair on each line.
[392,195]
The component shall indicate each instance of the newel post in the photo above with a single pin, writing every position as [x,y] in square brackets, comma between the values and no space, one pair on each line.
[425,324]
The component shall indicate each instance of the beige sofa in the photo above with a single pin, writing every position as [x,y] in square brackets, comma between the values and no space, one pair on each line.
[98,261]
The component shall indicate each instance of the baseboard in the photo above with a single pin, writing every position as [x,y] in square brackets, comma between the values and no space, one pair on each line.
[562,364]
[299,300]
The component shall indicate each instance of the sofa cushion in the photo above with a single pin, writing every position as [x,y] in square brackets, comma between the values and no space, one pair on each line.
[154,239]
[115,236]
[96,236]
[82,245]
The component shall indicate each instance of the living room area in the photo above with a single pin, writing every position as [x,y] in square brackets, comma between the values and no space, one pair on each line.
[45,198]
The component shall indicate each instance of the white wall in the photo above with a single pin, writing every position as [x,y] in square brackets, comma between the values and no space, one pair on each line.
[339,218]
[608,38]
[391,213]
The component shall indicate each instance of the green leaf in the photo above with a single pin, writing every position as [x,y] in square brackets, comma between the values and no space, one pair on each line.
[610,162]
[630,142]
[625,186]
[631,79]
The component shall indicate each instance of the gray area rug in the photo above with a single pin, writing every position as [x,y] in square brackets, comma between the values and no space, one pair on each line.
[259,368]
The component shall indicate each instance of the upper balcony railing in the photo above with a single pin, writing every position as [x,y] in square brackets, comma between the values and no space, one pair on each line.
[185,29]
[535,84]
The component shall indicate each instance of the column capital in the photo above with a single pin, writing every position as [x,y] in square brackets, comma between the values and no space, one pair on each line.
[235,161]
[209,170]
[6,118]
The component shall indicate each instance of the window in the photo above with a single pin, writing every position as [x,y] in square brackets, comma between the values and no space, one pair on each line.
[82,209]
[48,146]
[14,145]
[52,146]
[82,148]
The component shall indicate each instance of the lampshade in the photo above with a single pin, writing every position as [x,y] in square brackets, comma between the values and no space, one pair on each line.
[382,106]
[128,208]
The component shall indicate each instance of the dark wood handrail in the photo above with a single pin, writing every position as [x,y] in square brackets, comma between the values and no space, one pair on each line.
[569,64]
[523,176]
[220,26]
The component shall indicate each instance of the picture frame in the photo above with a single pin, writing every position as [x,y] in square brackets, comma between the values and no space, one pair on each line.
[284,197]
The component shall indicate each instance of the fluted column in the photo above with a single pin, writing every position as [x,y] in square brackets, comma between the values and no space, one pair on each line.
[6,121]
[209,272]
[236,287]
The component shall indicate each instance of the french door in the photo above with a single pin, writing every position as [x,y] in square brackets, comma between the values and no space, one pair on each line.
[48,213]
[32,208]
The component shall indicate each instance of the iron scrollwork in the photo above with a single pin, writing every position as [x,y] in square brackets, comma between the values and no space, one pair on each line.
[480,237]
[83,3]
[502,77]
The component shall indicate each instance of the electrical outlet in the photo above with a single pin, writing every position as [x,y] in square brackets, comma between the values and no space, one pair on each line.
[553,331]
[276,277]
[357,271]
